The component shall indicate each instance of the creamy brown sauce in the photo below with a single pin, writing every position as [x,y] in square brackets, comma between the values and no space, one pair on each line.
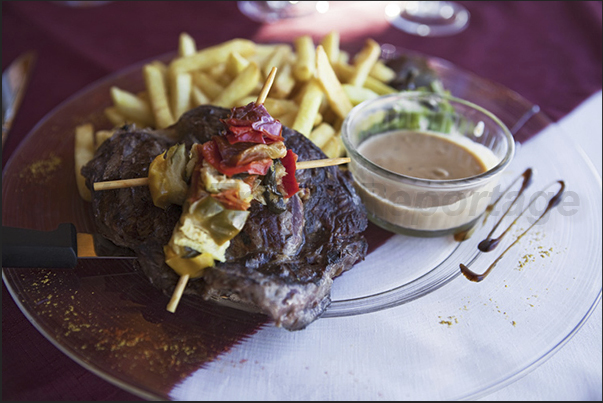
[422,155]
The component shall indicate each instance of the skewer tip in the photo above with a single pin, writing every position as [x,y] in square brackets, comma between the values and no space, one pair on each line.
[177,294]
[266,88]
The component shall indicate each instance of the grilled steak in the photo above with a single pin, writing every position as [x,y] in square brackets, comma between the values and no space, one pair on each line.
[283,264]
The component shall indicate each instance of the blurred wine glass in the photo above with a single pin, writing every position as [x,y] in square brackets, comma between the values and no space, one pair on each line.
[272,11]
[428,18]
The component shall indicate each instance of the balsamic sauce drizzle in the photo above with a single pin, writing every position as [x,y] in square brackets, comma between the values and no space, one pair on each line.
[527,180]
[490,243]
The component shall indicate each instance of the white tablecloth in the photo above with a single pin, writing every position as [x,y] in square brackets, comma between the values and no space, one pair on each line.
[574,372]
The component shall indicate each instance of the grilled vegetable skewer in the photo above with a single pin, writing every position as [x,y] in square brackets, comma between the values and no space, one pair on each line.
[215,184]
[184,276]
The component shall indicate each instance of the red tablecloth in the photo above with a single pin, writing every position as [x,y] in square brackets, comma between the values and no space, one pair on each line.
[549,52]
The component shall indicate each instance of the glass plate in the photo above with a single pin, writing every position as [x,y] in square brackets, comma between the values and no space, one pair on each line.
[404,323]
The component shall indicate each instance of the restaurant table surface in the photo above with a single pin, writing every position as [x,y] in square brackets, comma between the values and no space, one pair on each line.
[548,52]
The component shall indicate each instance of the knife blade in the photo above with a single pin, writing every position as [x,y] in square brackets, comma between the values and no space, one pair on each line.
[14,83]
[60,248]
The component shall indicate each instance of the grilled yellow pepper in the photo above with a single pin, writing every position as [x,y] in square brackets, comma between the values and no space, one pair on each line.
[202,236]
[168,177]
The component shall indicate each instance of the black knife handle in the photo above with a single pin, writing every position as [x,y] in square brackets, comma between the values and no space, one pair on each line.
[46,249]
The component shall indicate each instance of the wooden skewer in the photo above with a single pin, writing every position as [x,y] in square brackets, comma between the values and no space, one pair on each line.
[126,183]
[171,307]
[121,183]
[266,88]
[327,162]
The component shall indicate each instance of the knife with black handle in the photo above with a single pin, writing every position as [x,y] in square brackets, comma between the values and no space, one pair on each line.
[60,248]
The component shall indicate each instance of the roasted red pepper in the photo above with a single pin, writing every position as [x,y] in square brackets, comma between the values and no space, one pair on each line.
[290,185]
[252,124]
[210,151]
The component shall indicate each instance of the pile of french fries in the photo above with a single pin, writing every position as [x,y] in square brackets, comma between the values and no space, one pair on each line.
[315,87]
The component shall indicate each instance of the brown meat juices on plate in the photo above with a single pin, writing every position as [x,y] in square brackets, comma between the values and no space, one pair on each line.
[281,264]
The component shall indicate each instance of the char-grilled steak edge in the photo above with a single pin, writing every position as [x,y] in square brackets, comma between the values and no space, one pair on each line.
[283,264]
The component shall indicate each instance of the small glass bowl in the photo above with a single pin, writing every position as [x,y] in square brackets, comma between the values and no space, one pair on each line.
[427,207]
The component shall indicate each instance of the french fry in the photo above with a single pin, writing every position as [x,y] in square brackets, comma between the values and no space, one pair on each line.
[381,72]
[358,94]
[132,107]
[161,66]
[344,57]
[100,136]
[330,43]
[278,57]
[249,98]
[207,84]
[308,108]
[322,134]
[280,106]
[83,152]
[144,96]
[324,106]
[261,53]
[213,55]
[288,118]
[186,45]
[378,86]
[334,147]
[181,88]
[235,64]
[158,96]
[317,120]
[117,119]
[338,100]
[283,83]
[364,62]
[242,85]
[218,74]
[114,116]
[304,68]
[198,97]
[345,71]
